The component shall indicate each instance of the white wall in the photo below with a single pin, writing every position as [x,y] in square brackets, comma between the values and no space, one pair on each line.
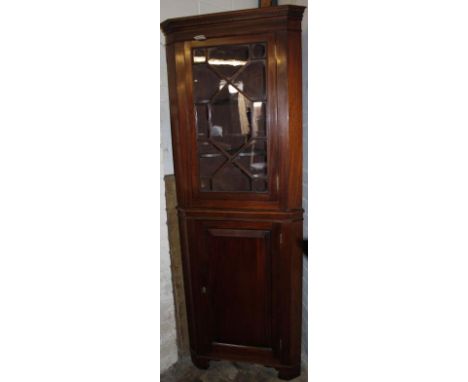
[168,344]
[168,341]
[180,8]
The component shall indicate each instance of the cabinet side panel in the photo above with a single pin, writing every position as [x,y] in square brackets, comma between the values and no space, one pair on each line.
[288,56]
[180,149]
[291,292]
[296,291]
[240,286]
[195,260]
[185,231]
[282,113]
[295,120]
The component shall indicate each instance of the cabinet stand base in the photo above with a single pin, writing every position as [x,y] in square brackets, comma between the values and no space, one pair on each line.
[200,363]
[287,373]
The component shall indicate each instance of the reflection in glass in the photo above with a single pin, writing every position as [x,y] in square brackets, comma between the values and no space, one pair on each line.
[205,83]
[199,56]
[228,59]
[253,78]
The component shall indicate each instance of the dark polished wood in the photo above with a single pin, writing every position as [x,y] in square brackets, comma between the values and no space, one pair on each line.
[241,242]
[200,362]
[243,22]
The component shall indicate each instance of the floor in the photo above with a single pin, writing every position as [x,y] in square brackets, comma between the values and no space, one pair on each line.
[223,371]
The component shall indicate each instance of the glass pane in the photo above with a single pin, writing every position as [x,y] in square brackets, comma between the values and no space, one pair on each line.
[252,80]
[201,115]
[206,149]
[230,114]
[231,178]
[258,51]
[209,165]
[258,119]
[227,60]
[259,185]
[205,83]
[231,120]
[205,184]
[253,159]
[199,56]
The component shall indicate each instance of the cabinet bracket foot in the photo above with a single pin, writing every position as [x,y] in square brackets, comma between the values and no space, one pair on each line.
[200,363]
[287,373]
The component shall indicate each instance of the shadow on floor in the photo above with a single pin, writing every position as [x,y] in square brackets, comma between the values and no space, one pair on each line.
[223,371]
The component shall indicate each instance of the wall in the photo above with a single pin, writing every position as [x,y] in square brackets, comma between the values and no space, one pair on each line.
[305,169]
[180,8]
[168,346]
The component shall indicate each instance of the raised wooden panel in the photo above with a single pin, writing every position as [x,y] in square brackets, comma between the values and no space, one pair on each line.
[230,266]
[239,286]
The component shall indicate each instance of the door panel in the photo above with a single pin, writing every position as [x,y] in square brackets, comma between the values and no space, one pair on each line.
[233,263]
[240,286]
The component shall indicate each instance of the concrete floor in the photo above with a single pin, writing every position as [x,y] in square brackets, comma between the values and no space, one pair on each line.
[223,371]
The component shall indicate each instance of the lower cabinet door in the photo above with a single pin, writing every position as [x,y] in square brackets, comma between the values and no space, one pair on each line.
[234,271]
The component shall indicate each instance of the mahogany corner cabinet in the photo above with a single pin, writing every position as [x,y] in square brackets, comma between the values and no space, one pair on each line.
[236,116]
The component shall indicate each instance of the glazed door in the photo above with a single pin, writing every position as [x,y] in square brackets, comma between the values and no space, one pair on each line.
[237,264]
[233,98]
